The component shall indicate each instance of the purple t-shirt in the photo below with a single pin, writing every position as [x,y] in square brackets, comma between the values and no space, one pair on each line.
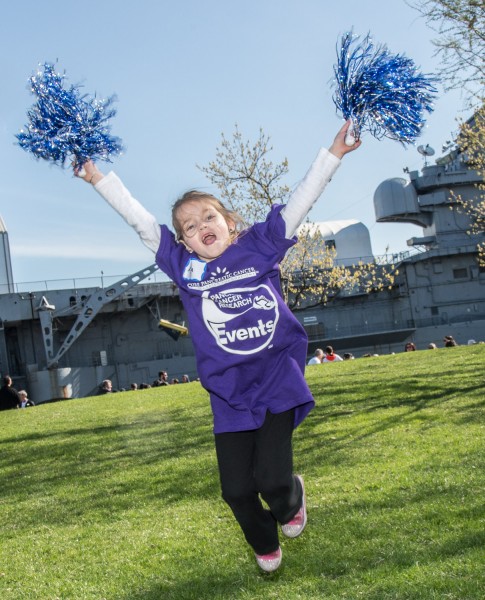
[250,349]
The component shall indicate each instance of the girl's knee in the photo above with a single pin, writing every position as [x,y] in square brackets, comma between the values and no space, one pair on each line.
[275,486]
[237,496]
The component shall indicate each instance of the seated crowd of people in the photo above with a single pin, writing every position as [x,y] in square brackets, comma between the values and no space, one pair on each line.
[106,386]
[11,398]
[328,355]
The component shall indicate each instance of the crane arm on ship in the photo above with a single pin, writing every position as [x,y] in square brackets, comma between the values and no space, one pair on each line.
[91,308]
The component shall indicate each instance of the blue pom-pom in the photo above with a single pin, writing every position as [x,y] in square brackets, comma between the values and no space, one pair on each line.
[65,125]
[380,92]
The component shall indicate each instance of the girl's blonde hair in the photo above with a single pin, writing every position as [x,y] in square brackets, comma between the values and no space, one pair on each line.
[229,215]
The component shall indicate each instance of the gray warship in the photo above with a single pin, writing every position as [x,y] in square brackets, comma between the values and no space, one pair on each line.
[61,343]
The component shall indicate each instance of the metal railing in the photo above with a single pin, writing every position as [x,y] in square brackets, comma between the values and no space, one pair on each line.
[99,281]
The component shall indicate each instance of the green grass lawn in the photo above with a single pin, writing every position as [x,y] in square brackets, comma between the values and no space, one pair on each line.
[117,497]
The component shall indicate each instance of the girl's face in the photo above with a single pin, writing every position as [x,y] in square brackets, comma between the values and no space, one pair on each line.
[204,229]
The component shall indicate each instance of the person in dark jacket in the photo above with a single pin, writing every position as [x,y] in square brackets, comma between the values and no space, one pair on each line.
[106,387]
[9,397]
[449,341]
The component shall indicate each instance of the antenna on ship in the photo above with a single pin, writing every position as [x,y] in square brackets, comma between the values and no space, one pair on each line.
[426,151]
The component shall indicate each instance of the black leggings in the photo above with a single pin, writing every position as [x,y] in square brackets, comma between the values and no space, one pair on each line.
[259,463]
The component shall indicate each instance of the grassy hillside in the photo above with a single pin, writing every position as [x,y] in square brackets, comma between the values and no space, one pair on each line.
[118,498]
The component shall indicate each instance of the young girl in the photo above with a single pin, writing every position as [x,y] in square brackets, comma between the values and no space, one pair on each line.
[250,349]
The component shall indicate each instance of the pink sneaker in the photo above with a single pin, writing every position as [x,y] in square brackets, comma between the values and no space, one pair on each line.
[269,562]
[295,527]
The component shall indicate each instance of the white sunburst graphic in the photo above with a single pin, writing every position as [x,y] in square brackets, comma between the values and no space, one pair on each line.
[218,272]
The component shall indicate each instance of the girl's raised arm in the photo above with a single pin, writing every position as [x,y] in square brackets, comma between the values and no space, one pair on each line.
[111,188]
[312,185]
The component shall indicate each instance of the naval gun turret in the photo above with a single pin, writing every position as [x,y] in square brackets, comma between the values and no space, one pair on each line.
[430,200]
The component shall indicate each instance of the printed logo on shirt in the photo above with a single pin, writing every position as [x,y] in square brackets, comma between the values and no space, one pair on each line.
[242,320]
[220,277]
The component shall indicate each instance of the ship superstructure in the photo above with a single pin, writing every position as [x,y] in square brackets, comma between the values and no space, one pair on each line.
[440,288]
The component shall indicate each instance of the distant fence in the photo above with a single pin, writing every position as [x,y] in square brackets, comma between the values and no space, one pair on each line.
[101,281]
[318,332]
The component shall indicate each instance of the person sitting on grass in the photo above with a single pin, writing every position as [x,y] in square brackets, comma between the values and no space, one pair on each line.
[24,400]
[9,397]
[330,356]
[449,341]
[317,357]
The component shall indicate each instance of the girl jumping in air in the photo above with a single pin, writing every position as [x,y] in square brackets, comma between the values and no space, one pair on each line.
[250,349]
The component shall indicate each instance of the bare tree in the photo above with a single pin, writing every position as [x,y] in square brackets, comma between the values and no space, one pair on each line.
[471,141]
[461,47]
[460,44]
[313,275]
[247,180]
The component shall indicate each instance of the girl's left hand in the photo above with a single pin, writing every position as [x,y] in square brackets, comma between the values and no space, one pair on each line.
[89,172]
[339,148]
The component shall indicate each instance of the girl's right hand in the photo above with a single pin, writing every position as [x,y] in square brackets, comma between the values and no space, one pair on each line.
[89,172]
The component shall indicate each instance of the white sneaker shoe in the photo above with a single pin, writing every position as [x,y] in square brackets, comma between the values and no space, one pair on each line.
[269,562]
[295,527]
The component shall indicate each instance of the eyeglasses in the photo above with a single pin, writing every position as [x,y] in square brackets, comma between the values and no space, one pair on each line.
[190,229]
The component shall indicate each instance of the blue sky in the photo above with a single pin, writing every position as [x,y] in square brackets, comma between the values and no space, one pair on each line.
[184,72]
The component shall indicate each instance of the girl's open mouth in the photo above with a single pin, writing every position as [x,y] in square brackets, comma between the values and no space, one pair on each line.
[208,239]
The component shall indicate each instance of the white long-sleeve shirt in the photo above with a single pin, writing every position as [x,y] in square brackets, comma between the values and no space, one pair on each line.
[294,212]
